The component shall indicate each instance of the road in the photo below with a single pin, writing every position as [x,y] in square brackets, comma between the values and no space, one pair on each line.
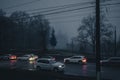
[72,69]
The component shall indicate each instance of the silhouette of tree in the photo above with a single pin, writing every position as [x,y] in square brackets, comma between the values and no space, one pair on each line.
[53,40]
[87,31]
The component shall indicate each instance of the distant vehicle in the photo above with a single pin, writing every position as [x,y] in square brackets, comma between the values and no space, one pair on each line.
[48,57]
[8,57]
[76,59]
[28,57]
[13,57]
[112,61]
[35,57]
[48,64]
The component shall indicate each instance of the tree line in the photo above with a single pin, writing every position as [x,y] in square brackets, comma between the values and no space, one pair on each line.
[21,31]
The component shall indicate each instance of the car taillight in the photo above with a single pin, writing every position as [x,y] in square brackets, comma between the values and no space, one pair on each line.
[13,57]
[53,58]
[84,60]
[36,57]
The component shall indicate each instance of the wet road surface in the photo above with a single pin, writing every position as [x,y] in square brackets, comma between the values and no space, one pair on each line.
[71,69]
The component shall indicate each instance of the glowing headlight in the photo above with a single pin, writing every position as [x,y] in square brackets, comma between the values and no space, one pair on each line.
[60,66]
[31,58]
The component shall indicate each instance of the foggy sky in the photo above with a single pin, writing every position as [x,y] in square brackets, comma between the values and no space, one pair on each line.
[67,25]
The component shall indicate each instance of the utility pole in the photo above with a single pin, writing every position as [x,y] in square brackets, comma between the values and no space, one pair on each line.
[115,53]
[97,45]
[72,45]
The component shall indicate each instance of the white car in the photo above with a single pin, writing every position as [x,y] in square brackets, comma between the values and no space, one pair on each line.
[76,59]
[28,57]
[49,64]
[112,61]
[48,57]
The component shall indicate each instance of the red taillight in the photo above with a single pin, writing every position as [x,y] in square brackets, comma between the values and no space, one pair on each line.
[13,57]
[36,57]
[53,58]
[84,60]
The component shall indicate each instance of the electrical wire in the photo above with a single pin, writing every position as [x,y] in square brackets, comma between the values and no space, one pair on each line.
[69,16]
[62,6]
[63,11]
[58,12]
[55,8]
[23,4]
[68,10]
[111,4]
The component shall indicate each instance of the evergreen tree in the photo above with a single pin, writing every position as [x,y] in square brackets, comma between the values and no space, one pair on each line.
[53,40]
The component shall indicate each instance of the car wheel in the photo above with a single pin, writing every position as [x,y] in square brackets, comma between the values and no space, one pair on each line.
[79,62]
[62,72]
[55,70]
[67,61]
[38,68]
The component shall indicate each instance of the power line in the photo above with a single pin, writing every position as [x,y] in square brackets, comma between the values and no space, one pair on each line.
[67,16]
[58,7]
[111,4]
[63,11]
[23,4]
[57,12]
[19,5]
[62,6]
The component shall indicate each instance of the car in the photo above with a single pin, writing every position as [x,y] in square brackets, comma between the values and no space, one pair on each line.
[112,61]
[28,57]
[13,57]
[34,57]
[48,57]
[76,59]
[8,57]
[48,64]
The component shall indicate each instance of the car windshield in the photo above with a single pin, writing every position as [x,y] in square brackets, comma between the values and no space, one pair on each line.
[77,57]
[26,56]
[52,61]
[46,57]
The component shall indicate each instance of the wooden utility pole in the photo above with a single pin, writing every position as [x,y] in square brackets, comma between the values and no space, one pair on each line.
[72,45]
[97,43]
[115,53]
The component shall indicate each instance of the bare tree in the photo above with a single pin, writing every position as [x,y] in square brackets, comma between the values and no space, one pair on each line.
[87,31]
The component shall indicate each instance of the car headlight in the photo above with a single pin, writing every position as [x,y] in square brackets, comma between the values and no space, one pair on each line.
[60,66]
[31,58]
[64,60]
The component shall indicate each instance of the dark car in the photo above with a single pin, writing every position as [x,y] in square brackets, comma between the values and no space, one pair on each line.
[8,57]
[112,61]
